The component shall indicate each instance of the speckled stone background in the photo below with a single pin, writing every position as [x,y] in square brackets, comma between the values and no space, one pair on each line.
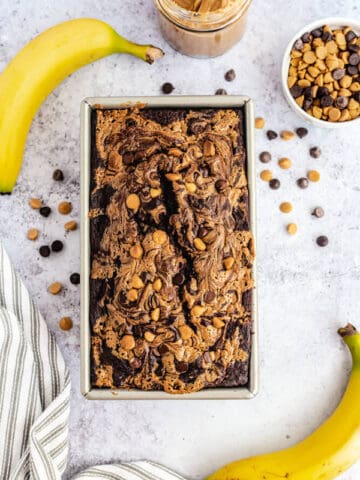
[305,292]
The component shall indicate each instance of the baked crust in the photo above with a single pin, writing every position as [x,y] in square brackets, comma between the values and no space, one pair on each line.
[171,250]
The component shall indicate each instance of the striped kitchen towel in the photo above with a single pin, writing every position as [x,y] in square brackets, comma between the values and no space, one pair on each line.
[35,394]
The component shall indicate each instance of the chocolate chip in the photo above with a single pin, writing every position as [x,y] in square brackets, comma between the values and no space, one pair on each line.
[307,103]
[317,33]
[230,75]
[356,96]
[350,36]
[301,132]
[296,91]
[306,37]
[220,185]
[207,357]
[45,211]
[204,171]
[341,102]
[315,152]
[298,45]
[58,175]
[75,278]
[163,348]
[209,296]
[351,70]
[318,212]
[44,251]
[145,276]
[308,92]
[167,88]
[154,203]
[322,241]
[326,37]
[353,48]
[57,246]
[202,232]
[181,367]
[221,91]
[322,91]
[179,279]
[136,363]
[274,183]
[302,182]
[354,59]
[271,135]
[326,101]
[338,73]
[127,158]
[265,157]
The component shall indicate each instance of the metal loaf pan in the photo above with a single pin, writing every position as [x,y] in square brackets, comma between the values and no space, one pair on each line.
[87,105]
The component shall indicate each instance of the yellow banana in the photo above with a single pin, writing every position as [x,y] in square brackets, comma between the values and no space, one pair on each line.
[325,454]
[38,68]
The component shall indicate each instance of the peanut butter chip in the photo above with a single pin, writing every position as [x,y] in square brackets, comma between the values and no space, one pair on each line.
[209,149]
[155,314]
[259,122]
[320,52]
[190,187]
[229,262]
[173,176]
[292,228]
[35,203]
[64,208]
[287,135]
[133,202]
[309,57]
[266,175]
[185,332]
[65,323]
[313,176]
[136,282]
[69,226]
[199,244]
[149,336]
[157,285]
[132,295]
[55,288]
[284,163]
[155,192]
[286,207]
[197,310]
[136,251]
[32,234]
[127,342]
[334,114]
[218,323]
[159,237]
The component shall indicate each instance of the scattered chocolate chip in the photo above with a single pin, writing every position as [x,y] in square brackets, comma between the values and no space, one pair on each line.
[322,241]
[338,73]
[45,211]
[44,251]
[322,91]
[354,59]
[301,132]
[326,37]
[181,367]
[230,75]
[221,91]
[302,182]
[317,33]
[163,348]
[326,101]
[341,102]
[57,246]
[167,88]
[350,36]
[296,91]
[265,157]
[351,70]
[209,296]
[315,152]
[271,135]
[306,37]
[274,183]
[318,212]
[179,279]
[353,48]
[75,278]
[58,175]
[220,185]
[298,45]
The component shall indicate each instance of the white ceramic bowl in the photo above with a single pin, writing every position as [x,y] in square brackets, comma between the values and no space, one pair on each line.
[332,22]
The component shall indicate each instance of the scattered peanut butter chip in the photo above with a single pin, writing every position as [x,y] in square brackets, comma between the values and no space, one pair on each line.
[285,207]
[132,295]
[266,175]
[186,332]
[136,251]
[64,208]
[149,336]
[287,135]
[127,342]
[284,163]
[33,234]
[259,122]
[199,244]
[35,203]
[136,282]
[197,310]
[133,202]
[159,237]
[157,285]
[155,314]
[155,192]
[228,262]
[313,175]
[55,288]
[218,323]
[292,228]
[65,323]
[70,226]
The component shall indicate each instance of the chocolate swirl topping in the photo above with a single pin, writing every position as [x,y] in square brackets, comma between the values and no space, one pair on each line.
[171,250]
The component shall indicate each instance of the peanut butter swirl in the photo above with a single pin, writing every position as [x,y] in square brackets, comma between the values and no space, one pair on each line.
[171,250]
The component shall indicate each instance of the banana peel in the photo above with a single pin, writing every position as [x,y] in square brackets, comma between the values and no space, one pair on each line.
[325,454]
[39,67]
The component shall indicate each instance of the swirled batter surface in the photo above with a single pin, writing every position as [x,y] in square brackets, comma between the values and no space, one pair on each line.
[171,250]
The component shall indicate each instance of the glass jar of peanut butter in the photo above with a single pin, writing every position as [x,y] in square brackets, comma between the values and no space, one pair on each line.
[202,28]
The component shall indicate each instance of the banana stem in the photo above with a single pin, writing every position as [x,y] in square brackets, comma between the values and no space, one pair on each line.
[351,337]
[148,53]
